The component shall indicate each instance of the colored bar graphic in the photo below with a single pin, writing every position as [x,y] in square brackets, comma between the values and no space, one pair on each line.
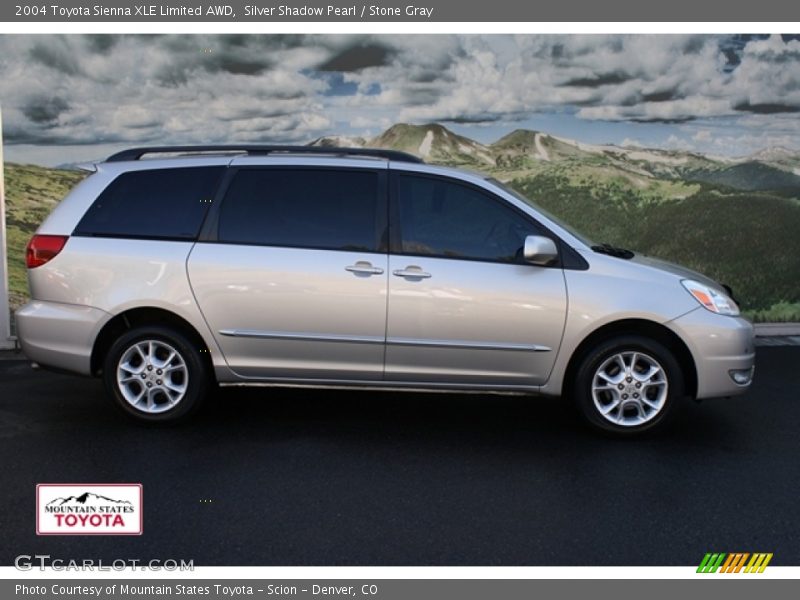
[730,562]
[741,561]
[734,562]
[758,563]
[711,562]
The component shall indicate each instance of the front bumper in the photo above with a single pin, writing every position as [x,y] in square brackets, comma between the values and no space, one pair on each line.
[59,336]
[722,347]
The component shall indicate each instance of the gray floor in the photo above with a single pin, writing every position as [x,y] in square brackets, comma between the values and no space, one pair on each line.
[342,478]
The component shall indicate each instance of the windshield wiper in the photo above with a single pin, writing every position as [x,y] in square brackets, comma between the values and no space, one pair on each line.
[613,251]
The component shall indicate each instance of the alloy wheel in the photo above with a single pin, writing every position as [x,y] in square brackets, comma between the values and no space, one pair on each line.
[152,376]
[629,388]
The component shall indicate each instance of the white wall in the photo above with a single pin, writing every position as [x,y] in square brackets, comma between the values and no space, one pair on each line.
[5,320]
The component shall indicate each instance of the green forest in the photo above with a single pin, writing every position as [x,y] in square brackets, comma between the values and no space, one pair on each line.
[748,240]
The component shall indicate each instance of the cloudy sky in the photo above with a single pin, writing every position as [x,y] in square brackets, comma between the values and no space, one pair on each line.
[71,98]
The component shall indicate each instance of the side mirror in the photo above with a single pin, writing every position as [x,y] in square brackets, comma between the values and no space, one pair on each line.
[539,250]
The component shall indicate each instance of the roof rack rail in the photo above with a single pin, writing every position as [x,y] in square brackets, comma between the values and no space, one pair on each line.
[259,150]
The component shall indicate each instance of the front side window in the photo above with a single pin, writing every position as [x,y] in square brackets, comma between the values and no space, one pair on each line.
[304,208]
[447,219]
[533,204]
[153,203]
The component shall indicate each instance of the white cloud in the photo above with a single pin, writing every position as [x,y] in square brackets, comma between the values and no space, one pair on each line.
[768,77]
[142,88]
[703,135]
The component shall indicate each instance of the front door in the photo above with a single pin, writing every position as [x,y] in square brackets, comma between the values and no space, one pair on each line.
[464,308]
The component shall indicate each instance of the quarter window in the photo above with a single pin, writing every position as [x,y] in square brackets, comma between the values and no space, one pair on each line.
[153,203]
[306,208]
[447,219]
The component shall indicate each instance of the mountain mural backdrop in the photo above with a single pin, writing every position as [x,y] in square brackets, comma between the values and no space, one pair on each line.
[737,220]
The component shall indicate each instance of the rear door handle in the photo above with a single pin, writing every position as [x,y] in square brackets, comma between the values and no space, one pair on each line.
[364,267]
[411,272]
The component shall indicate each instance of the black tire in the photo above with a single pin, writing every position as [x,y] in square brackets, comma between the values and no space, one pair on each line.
[197,383]
[594,359]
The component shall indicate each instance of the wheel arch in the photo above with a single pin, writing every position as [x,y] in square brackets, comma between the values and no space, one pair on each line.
[136,317]
[641,327]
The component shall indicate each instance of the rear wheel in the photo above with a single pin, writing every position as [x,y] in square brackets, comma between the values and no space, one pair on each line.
[155,374]
[628,385]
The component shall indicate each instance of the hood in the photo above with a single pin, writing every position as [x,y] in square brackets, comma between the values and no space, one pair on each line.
[674,269]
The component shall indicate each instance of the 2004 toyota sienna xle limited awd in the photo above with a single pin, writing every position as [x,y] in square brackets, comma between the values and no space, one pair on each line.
[303,266]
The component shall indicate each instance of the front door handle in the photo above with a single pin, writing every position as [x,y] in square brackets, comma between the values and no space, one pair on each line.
[364,267]
[411,272]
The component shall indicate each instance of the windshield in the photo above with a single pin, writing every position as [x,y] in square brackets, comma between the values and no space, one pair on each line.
[541,210]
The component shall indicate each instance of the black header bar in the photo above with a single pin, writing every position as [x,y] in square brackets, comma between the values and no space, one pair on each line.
[259,11]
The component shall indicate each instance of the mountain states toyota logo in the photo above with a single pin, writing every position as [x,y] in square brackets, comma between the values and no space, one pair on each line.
[89,509]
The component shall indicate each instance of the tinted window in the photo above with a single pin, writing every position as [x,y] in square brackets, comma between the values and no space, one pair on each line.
[301,208]
[441,218]
[158,203]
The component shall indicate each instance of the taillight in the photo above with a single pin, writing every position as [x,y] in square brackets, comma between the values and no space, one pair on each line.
[43,248]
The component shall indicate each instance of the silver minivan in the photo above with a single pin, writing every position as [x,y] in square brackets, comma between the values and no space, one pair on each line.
[172,269]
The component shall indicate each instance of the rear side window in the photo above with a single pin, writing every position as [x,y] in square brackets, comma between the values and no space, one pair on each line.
[302,208]
[157,203]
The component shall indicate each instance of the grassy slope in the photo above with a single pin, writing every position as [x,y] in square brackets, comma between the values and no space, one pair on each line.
[31,193]
[746,239]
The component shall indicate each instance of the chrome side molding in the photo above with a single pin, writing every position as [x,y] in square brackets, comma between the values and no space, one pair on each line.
[393,341]
[467,345]
[307,337]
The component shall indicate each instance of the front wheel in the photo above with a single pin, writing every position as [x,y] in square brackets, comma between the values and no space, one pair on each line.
[155,374]
[628,385]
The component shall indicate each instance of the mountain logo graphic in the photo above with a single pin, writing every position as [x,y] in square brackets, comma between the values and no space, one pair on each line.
[86,498]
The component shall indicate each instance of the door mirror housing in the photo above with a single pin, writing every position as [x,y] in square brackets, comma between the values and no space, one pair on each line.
[539,250]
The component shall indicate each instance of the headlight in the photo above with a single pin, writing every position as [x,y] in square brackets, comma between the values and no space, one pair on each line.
[712,299]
